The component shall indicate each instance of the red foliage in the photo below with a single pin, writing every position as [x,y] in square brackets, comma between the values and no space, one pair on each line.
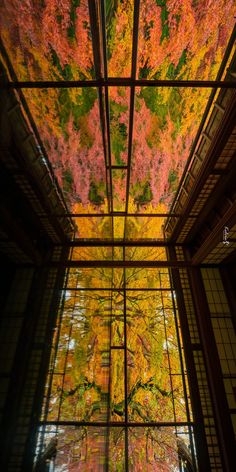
[85,164]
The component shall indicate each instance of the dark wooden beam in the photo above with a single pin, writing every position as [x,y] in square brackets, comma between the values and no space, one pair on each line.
[93,242]
[114,213]
[124,264]
[120,82]
[119,424]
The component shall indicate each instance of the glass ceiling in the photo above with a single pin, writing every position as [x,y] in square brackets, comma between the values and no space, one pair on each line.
[118,148]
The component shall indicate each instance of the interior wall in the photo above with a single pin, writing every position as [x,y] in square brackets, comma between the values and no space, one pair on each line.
[27,324]
[222,324]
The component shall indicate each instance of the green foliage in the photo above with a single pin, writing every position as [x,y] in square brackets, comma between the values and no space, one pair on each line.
[65,72]
[164,19]
[123,129]
[173,107]
[65,108]
[147,29]
[172,71]
[116,109]
[153,100]
[80,356]
[144,71]
[161,3]
[84,103]
[118,141]
[59,19]
[175,104]
[111,6]
[94,196]
[55,60]
[119,466]
[182,61]
[73,16]
[178,18]
[118,131]
[150,98]
[172,178]
[146,195]
[67,180]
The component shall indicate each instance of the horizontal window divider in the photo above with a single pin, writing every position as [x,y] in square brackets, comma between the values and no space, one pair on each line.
[118,347]
[103,215]
[124,264]
[130,289]
[120,82]
[112,424]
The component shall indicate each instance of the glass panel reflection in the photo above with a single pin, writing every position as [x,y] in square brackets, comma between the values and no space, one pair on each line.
[145,253]
[117,328]
[178,40]
[99,253]
[119,183]
[69,448]
[117,393]
[139,277]
[80,381]
[118,280]
[119,31]
[119,98]
[153,351]
[144,227]
[159,449]
[93,227]
[117,449]
[68,121]
[118,227]
[48,40]
[89,278]
[95,448]
[166,120]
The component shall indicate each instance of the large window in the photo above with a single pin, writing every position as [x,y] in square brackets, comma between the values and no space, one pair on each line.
[117,394]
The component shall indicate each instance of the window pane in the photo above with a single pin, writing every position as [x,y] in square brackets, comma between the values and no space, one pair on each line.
[179,40]
[166,120]
[119,101]
[48,40]
[155,392]
[119,31]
